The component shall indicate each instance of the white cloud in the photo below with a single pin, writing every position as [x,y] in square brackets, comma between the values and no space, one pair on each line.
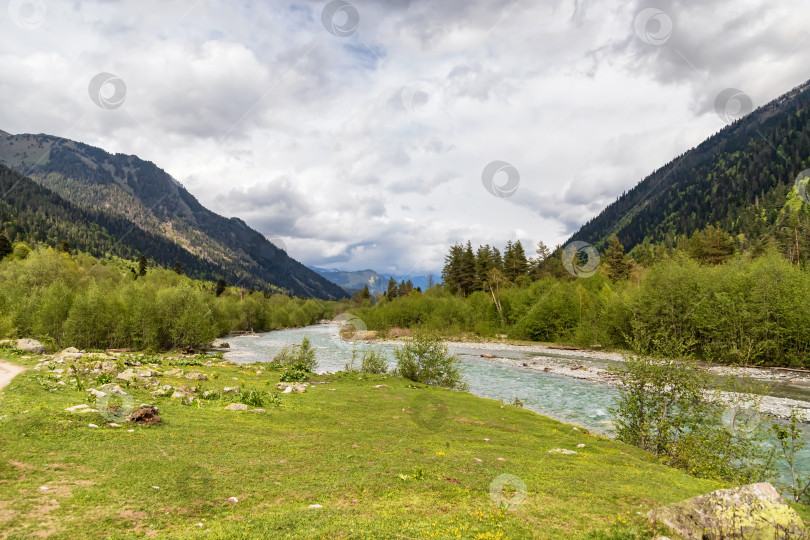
[263,114]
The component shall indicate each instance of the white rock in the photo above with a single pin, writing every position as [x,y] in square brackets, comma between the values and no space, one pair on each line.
[92,425]
[76,408]
[97,393]
[562,451]
[288,390]
[44,488]
[233,500]
[580,445]
[236,407]
[315,506]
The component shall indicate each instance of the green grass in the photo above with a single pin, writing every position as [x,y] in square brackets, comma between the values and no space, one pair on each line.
[383,462]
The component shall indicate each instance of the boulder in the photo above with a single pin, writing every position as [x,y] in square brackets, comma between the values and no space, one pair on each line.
[292,387]
[562,451]
[229,389]
[30,346]
[127,375]
[77,408]
[176,372]
[755,511]
[108,367]
[236,407]
[7,343]
[197,376]
[145,415]
[97,393]
[220,344]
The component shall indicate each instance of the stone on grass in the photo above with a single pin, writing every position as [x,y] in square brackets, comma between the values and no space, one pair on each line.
[145,415]
[30,346]
[233,500]
[196,376]
[236,407]
[580,445]
[127,375]
[76,408]
[92,425]
[755,511]
[315,506]
[257,410]
[176,372]
[562,451]
[229,389]
[97,393]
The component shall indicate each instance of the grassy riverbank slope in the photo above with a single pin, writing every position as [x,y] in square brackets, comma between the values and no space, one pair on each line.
[381,461]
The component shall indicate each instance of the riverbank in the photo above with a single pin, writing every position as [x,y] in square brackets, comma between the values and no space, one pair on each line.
[352,456]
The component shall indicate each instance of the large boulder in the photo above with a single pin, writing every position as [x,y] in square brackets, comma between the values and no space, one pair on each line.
[30,346]
[220,344]
[755,511]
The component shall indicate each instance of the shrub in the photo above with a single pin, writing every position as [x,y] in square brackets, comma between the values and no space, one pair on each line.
[303,354]
[425,359]
[296,373]
[372,361]
[667,407]
[258,398]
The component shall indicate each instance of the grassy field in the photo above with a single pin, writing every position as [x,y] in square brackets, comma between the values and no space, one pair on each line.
[387,462]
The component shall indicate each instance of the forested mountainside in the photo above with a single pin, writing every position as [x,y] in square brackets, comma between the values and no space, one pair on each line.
[741,180]
[146,211]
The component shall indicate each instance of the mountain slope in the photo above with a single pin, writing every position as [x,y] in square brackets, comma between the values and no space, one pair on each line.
[741,179]
[140,193]
[377,283]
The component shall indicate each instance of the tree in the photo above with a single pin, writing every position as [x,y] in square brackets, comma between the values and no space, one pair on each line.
[143,265]
[392,289]
[177,268]
[618,267]
[467,281]
[5,246]
[451,273]
[493,283]
[64,246]
[514,261]
[365,294]
[426,360]
[538,262]
[221,286]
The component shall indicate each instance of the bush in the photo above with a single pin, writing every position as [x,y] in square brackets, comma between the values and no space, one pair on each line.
[296,373]
[302,354]
[667,407]
[258,398]
[372,361]
[425,359]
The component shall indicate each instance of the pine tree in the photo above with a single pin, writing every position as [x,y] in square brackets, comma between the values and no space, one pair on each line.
[5,246]
[451,273]
[177,268]
[618,267]
[365,294]
[467,275]
[392,288]
[220,287]
[143,264]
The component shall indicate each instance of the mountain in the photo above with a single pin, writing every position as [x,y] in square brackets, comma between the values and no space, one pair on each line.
[377,283]
[132,207]
[740,180]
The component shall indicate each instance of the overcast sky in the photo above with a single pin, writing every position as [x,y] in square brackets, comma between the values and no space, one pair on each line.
[358,133]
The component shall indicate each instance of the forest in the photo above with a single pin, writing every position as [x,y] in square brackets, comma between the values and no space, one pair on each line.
[73,299]
[700,298]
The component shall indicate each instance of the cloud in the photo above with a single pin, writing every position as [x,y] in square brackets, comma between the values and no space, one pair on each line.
[367,151]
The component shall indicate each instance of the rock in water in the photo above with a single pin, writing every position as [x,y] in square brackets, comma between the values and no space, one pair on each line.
[220,344]
[31,346]
[755,511]
[145,415]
